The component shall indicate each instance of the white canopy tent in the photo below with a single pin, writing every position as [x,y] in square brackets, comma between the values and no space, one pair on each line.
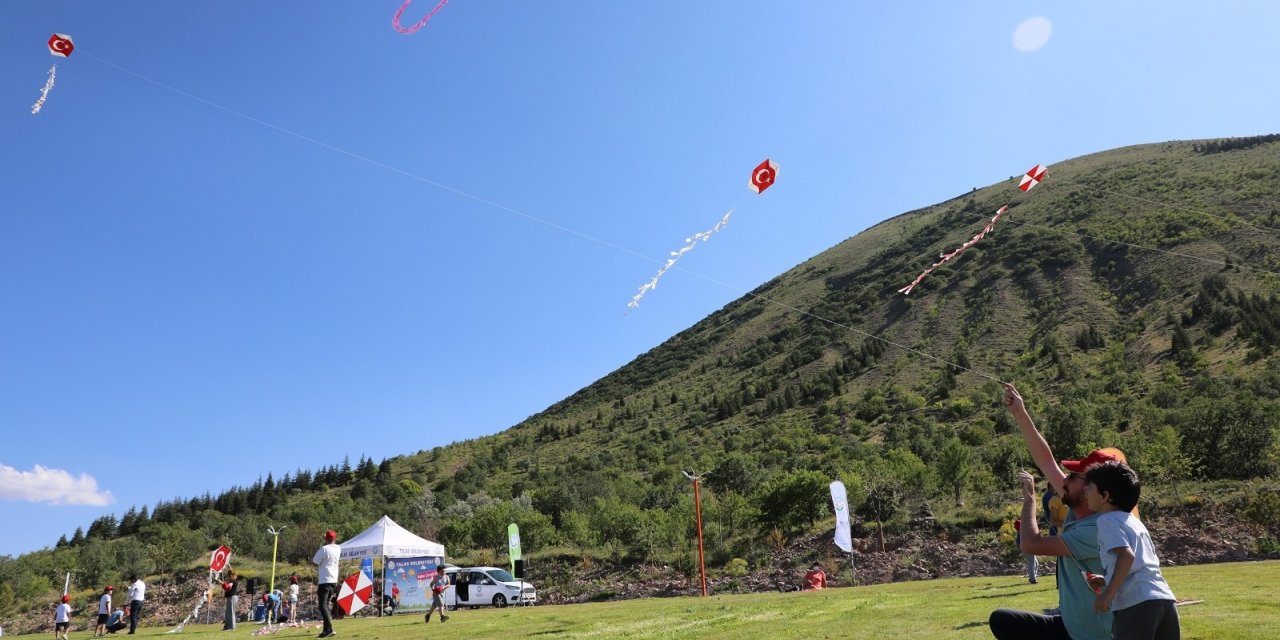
[390,540]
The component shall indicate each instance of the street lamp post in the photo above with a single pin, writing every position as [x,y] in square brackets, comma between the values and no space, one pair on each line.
[275,545]
[697,511]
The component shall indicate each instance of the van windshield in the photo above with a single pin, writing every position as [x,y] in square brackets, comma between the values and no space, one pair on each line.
[502,576]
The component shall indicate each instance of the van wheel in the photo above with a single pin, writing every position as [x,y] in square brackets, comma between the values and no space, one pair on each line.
[499,601]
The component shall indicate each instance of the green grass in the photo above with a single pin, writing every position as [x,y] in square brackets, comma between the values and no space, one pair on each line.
[1240,602]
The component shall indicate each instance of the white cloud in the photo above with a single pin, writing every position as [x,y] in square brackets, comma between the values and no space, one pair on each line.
[54,486]
[1032,34]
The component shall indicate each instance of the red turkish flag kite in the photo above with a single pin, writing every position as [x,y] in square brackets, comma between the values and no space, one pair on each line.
[763,176]
[219,559]
[60,45]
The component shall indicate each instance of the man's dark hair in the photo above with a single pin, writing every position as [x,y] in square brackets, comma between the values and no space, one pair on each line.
[133,577]
[1118,481]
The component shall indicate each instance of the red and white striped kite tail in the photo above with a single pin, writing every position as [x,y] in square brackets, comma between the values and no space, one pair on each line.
[947,256]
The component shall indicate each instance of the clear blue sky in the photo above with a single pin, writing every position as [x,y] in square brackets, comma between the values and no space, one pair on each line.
[192,299]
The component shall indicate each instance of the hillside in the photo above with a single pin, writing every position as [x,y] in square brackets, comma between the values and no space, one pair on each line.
[1133,297]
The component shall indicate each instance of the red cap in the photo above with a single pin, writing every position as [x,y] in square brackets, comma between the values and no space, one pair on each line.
[66,598]
[1098,456]
[331,535]
[110,588]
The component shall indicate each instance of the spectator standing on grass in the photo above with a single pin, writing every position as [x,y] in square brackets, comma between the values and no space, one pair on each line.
[231,592]
[137,594]
[62,618]
[104,611]
[293,596]
[1136,591]
[326,561]
[1032,568]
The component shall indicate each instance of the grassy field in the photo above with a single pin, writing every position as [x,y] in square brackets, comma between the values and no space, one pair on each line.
[1240,601]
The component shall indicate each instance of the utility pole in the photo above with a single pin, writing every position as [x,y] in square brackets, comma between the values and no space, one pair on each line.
[697,511]
[275,545]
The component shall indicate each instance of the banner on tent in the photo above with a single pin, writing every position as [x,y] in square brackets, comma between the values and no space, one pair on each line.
[413,577]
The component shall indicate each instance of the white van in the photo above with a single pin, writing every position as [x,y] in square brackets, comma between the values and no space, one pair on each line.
[485,586]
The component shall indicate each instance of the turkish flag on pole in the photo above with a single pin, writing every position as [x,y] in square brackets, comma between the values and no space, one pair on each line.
[762,176]
[220,557]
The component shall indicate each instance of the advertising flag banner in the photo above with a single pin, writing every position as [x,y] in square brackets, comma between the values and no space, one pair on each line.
[843,539]
[513,544]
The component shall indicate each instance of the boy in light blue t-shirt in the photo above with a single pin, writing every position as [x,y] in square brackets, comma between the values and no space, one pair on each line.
[1136,591]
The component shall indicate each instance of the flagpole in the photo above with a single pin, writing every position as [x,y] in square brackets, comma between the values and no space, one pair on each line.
[270,590]
[697,510]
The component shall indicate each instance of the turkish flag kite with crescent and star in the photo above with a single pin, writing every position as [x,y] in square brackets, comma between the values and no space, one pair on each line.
[1032,177]
[60,45]
[219,559]
[356,592]
[763,176]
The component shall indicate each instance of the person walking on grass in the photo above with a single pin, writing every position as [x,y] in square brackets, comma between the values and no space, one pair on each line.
[1136,591]
[326,561]
[62,619]
[438,586]
[231,592]
[104,612]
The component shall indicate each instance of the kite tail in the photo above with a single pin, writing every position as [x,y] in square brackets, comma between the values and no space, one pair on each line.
[690,243]
[44,93]
[395,20]
[947,256]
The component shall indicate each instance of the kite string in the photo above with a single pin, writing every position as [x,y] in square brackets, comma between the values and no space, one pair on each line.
[395,20]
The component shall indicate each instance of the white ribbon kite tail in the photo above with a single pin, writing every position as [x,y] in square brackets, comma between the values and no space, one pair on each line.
[690,243]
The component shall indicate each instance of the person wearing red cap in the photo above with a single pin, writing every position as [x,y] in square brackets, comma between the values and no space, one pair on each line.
[104,611]
[326,559]
[1075,547]
[62,618]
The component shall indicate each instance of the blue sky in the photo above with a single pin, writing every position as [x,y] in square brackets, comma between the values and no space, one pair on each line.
[193,299]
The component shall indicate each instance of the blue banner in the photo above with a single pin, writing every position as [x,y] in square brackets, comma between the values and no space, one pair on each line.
[412,577]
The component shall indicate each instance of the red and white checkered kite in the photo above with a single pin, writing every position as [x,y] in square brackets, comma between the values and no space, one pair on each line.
[1032,177]
[355,593]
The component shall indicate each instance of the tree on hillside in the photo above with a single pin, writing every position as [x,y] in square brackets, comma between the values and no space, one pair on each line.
[954,466]
[794,500]
[884,500]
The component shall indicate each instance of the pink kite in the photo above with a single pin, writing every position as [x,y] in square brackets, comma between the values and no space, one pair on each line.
[1032,177]
[947,256]
[395,20]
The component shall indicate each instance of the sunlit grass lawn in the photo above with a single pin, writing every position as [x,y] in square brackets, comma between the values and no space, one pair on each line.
[1241,601]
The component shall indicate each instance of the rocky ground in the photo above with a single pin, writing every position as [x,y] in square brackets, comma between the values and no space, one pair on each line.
[927,551]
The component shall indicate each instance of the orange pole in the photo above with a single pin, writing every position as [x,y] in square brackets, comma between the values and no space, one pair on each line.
[697,508]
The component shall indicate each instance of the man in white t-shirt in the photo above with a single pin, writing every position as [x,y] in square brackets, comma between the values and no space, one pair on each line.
[326,559]
[137,594]
[62,618]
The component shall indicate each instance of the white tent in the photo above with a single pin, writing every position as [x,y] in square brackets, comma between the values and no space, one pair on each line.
[388,539]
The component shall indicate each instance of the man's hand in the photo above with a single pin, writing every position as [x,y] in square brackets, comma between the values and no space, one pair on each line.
[1103,603]
[1013,399]
[1028,483]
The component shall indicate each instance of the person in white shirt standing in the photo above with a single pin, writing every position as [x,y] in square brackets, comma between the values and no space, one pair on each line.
[327,561]
[137,594]
[104,611]
[293,597]
[62,619]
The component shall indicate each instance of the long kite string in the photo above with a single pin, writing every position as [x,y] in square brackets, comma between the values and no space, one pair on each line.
[395,20]
[558,227]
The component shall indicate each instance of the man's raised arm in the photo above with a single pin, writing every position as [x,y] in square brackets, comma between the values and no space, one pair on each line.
[1040,452]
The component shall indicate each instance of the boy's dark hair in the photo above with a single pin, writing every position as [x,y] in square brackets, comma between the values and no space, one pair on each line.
[1117,480]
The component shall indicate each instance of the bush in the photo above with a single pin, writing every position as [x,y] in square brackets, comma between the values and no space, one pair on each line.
[736,568]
